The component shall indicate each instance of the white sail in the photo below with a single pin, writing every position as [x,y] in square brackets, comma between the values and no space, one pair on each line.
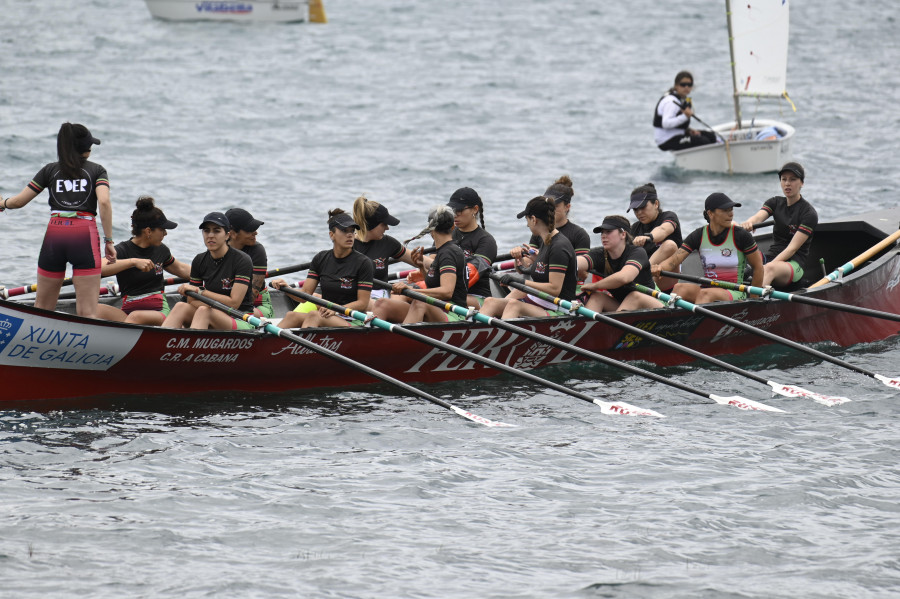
[759,30]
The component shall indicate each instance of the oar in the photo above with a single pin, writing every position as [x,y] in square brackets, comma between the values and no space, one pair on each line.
[685,305]
[505,265]
[605,407]
[840,271]
[791,297]
[111,288]
[739,402]
[278,332]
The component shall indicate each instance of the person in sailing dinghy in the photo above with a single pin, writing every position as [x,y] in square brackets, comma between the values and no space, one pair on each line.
[672,118]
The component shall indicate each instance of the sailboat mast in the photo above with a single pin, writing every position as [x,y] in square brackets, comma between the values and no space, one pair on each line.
[734,82]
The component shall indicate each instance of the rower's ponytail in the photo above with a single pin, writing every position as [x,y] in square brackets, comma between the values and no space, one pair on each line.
[440,219]
[70,159]
[550,220]
[362,210]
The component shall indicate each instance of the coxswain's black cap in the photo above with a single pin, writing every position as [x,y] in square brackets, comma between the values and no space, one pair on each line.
[793,167]
[464,197]
[85,140]
[241,220]
[217,218]
[719,201]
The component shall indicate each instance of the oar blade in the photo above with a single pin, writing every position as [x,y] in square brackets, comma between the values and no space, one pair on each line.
[478,419]
[743,403]
[890,382]
[623,409]
[794,391]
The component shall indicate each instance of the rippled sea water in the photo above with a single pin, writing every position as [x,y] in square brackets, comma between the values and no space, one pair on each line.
[372,494]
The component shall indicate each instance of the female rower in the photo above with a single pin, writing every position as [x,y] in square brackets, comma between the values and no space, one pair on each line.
[658,232]
[345,276]
[623,264]
[220,273]
[561,192]
[795,221]
[374,220]
[553,270]
[139,268]
[244,229]
[724,248]
[445,276]
[477,244]
[78,190]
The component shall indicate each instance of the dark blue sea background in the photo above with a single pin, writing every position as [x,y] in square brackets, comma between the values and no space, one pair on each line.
[366,493]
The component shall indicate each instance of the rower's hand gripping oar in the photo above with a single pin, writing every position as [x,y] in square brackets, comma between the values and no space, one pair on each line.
[278,332]
[620,408]
[685,305]
[736,401]
[790,297]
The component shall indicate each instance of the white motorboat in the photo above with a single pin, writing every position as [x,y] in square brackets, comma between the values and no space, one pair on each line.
[758,40]
[271,11]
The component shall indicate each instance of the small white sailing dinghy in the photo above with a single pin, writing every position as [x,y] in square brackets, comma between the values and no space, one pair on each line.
[758,39]
[270,11]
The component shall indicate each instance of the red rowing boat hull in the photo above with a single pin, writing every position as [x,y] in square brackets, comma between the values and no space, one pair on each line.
[52,355]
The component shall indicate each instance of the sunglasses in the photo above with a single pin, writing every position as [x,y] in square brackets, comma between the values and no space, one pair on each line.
[686,84]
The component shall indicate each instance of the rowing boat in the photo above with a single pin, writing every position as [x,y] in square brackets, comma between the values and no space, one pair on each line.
[254,11]
[58,355]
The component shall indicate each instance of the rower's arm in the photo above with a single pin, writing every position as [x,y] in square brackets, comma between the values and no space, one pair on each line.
[755,220]
[554,283]
[628,274]
[796,243]
[179,269]
[19,200]
[755,260]
[669,264]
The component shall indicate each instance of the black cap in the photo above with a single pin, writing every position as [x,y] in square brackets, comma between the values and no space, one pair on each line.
[537,206]
[464,197]
[241,220]
[719,201]
[163,223]
[609,224]
[343,221]
[640,198]
[793,167]
[85,140]
[216,218]
[381,215]
[559,193]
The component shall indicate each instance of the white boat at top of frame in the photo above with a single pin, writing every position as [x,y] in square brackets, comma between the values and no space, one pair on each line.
[266,11]
[758,32]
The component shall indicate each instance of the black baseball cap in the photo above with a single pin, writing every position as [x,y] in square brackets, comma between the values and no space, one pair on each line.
[381,215]
[719,201]
[640,198]
[609,224]
[163,223]
[464,197]
[342,221]
[241,220]
[216,218]
[83,139]
[793,167]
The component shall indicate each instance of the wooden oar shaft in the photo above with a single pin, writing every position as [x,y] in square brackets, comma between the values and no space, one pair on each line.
[388,326]
[306,343]
[685,305]
[790,297]
[849,266]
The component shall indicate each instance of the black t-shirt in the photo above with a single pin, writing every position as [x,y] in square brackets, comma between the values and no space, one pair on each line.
[137,282]
[578,237]
[640,228]
[258,258]
[480,248]
[788,220]
[220,275]
[558,257]
[341,279]
[71,195]
[449,259]
[379,252]
[632,256]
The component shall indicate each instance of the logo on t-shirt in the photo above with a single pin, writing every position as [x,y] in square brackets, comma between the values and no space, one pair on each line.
[346,282]
[726,252]
[379,263]
[158,268]
[540,268]
[227,283]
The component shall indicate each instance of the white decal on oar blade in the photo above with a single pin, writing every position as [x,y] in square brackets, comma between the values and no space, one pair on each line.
[477,418]
[793,391]
[743,403]
[894,382]
[37,342]
[624,409]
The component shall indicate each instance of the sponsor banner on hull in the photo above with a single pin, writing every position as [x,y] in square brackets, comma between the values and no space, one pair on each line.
[38,342]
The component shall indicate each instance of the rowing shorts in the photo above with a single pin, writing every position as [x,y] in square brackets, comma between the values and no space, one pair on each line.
[70,240]
[796,269]
[149,301]
[264,304]
[478,298]
[241,325]
[737,296]
[454,317]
